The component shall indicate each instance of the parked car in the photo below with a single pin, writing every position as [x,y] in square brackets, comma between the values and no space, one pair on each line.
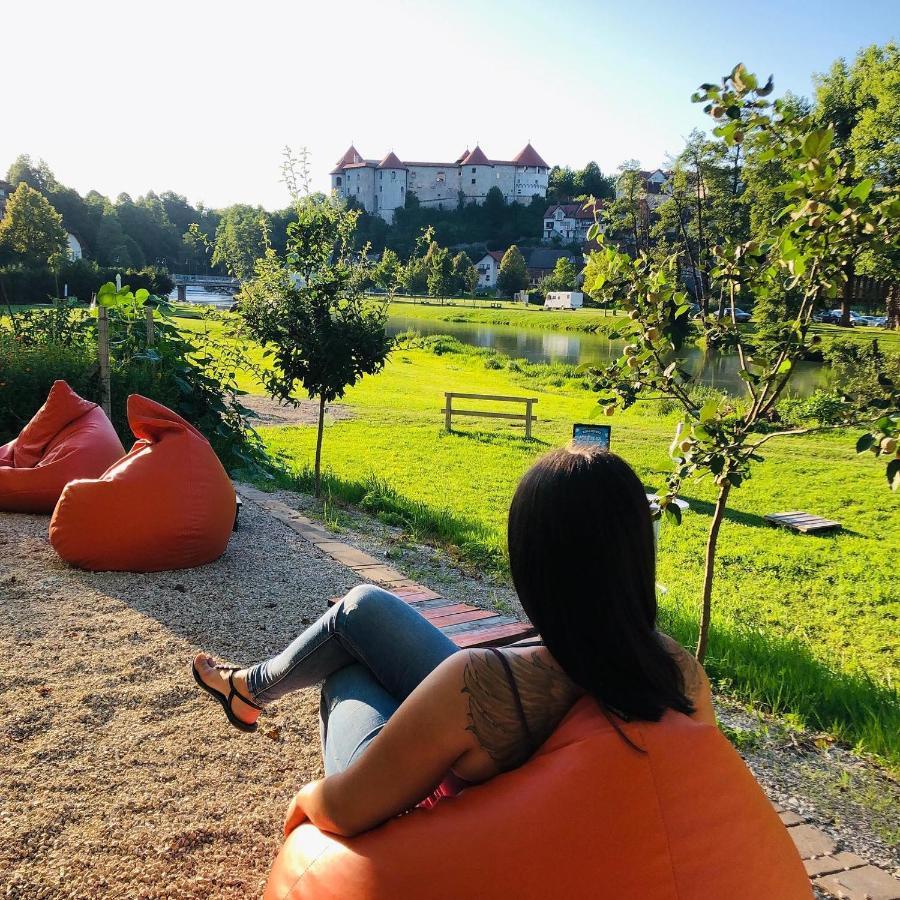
[740,315]
[872,321]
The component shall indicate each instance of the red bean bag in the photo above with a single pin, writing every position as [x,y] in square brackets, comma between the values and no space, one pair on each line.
[168,504]
[68,438]
[586,817]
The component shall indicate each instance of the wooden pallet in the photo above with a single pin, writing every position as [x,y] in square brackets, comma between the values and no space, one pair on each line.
[464,624]
[805,523]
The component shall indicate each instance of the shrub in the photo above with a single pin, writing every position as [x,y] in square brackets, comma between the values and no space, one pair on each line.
[193,376]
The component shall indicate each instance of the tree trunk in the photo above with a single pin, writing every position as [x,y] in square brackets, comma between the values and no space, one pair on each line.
[706,608]
[847,296]
[319,444]
[892,306]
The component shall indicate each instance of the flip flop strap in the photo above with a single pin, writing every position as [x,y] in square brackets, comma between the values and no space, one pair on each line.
[236,693]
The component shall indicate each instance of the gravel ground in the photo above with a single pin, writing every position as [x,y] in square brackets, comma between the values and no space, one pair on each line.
[271,412]
[119,778]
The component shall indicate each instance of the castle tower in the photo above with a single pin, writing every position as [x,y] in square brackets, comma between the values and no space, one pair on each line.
[390,187]
[476,175]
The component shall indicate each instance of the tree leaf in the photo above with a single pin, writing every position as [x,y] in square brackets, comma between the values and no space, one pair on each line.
[862,190]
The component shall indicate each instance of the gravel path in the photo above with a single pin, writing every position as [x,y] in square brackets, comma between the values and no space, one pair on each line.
[118,777]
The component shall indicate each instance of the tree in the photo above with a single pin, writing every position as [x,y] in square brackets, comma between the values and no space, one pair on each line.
[861,103]
[388,272]
[438,265]
[308,307]
[240,239]
[626,217]
[464,275]
[31,229]
[513,274]
[830,214]
[562,278]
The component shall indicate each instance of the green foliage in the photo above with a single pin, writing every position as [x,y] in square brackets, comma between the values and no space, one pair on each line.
[240,240]
[309,310]
[31,230]
[513,274]
[830,216]
[562,278]
[194,375]
[438,265]
[567,184]
[39,284]
[463,275]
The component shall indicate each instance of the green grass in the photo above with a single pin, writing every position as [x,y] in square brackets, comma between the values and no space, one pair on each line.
[802,625]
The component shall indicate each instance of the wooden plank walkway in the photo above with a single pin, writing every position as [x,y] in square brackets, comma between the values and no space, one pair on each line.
[464,624]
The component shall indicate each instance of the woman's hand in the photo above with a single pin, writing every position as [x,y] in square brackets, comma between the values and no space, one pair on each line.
[296,811]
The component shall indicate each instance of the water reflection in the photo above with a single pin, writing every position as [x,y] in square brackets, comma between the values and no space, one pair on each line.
[715,370]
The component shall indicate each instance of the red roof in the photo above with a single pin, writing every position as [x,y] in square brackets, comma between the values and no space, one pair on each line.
[351,157]
[476,158]
[462,156]
[497,254]
[528,156]
[391,162]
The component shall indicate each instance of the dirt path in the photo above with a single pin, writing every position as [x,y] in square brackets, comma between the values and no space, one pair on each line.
[271,412]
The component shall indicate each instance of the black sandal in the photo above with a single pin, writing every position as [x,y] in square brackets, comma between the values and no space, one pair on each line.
[226,701]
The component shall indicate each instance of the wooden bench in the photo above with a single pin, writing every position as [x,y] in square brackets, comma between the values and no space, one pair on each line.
[528,417]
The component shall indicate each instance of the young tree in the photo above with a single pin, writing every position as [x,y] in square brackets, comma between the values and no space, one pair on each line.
[31,229]
[626,218]
[308,307]
[463,276]
[438,265]
[830,214]
[513,274]
[388,272]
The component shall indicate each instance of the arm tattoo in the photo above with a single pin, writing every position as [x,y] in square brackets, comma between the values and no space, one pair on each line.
[547,695]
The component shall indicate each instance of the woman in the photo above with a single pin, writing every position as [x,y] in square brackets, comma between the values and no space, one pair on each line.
[407,716]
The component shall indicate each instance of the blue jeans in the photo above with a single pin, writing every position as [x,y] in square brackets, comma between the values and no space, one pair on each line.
[371,650]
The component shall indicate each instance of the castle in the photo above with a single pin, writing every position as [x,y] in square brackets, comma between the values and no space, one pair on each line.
[381,187]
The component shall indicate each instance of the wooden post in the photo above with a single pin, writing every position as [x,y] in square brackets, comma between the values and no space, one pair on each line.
[103,356]
[448,412]
[151,328]
[182,293]
[528,419]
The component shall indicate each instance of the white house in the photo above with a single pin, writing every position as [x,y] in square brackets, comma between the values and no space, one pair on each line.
[654,184]
[381,187]
[567,223]
[488,268]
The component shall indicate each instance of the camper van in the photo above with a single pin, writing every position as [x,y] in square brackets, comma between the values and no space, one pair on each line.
[564,300]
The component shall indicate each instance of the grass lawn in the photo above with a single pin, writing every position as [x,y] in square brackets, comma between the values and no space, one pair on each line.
[803,625]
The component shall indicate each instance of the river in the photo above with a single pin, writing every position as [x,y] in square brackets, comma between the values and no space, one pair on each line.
[537,345]
[576,347]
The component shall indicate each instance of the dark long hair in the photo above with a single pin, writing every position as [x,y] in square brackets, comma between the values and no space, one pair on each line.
[583,561]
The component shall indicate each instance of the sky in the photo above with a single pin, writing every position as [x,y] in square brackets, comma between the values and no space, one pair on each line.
[201,97]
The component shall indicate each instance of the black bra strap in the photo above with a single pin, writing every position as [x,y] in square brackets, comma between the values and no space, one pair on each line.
[515,690]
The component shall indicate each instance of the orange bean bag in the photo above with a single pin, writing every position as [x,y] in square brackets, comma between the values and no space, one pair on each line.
[168,504]
[586,817]
[68,438]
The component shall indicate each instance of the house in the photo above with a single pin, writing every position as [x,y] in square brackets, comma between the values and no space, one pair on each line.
[382,186]
[488,268]
[567,223]
[654,187]
[540,261]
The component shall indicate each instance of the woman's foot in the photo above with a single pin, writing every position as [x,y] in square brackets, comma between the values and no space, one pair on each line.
[215,678]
